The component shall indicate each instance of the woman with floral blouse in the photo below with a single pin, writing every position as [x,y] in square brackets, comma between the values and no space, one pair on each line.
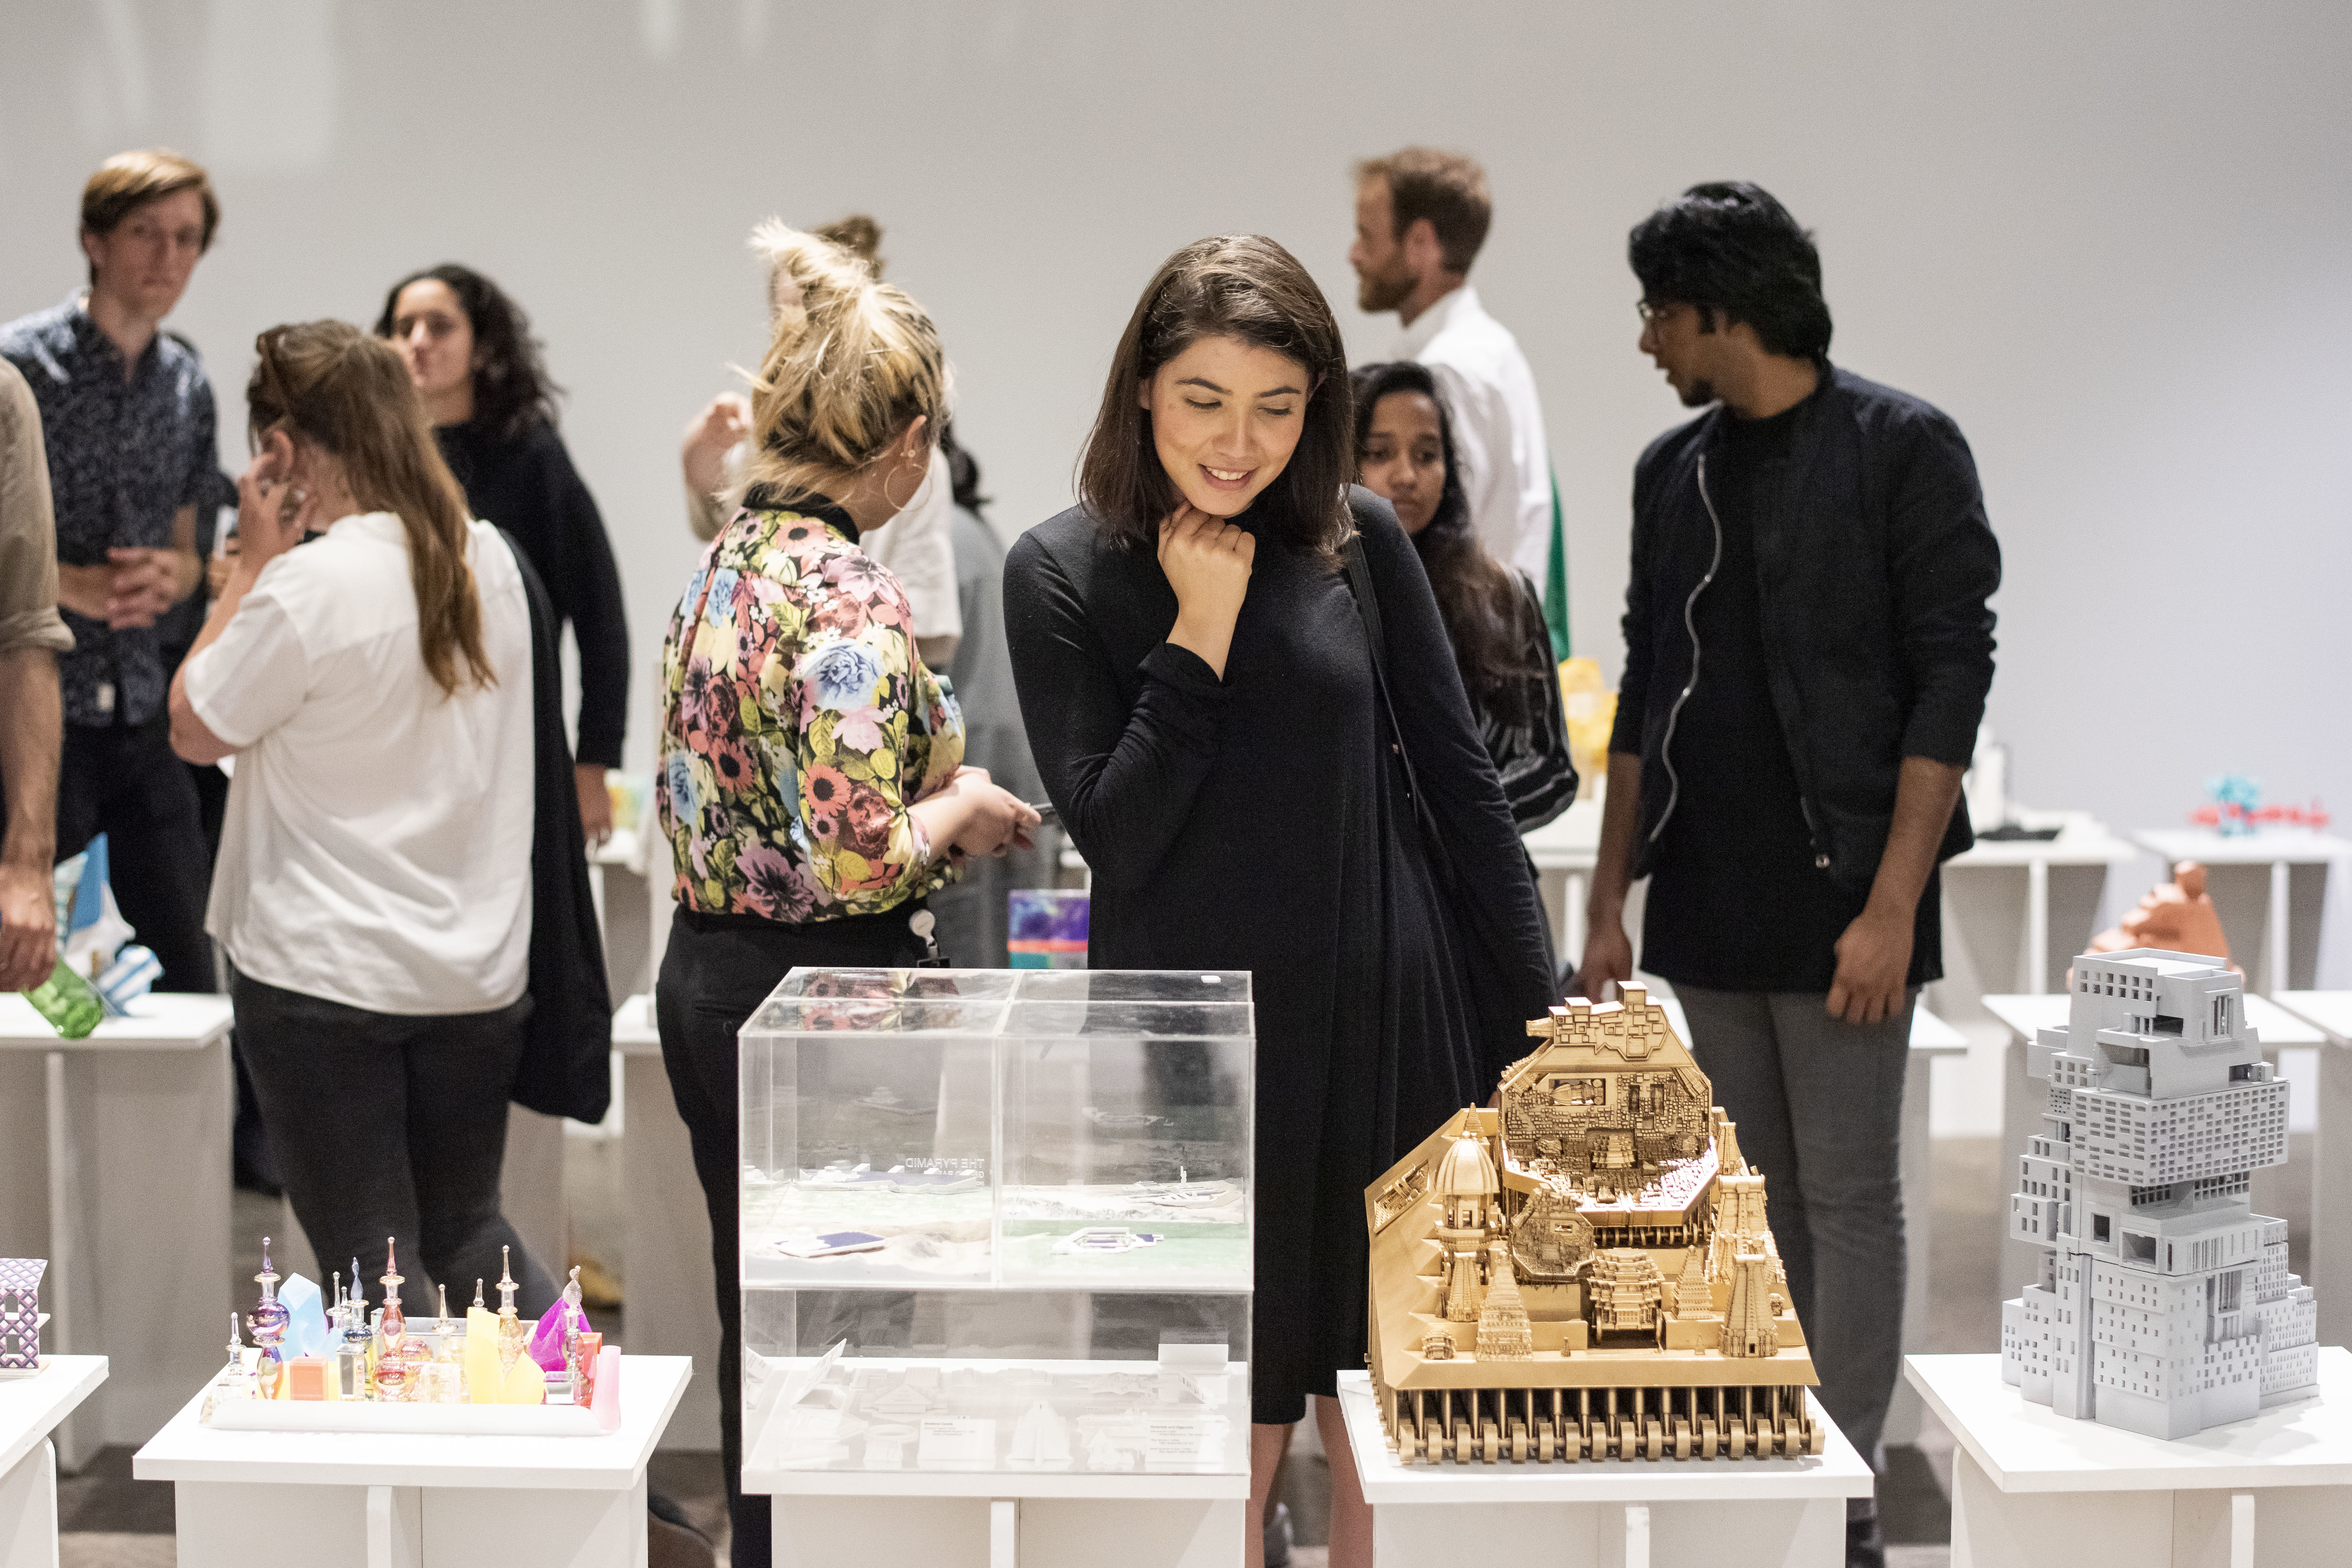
[811,784]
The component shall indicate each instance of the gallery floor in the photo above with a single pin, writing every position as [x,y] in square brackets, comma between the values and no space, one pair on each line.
[113,1521]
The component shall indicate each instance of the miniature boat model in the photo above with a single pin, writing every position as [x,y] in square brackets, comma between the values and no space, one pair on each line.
[1105,1238]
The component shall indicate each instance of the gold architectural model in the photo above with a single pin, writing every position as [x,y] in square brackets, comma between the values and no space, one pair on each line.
[1586,1272]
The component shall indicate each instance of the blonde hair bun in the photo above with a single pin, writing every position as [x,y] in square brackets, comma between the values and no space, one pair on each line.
[851,363]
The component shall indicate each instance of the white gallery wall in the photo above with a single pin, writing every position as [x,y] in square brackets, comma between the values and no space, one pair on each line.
[2110,239]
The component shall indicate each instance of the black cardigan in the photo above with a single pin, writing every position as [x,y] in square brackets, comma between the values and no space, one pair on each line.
[1874,561]
[528,487]
[566,1067]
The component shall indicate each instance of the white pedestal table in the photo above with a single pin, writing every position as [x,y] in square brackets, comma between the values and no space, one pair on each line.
[2033,1488]
[1604,1513]
[114,1165]
[30,1409]
[671,1305]
[417,1501]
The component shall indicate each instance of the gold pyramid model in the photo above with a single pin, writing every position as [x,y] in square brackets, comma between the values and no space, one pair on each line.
[1585,1272]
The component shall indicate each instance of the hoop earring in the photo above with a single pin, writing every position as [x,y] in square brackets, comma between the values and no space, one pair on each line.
[899,506]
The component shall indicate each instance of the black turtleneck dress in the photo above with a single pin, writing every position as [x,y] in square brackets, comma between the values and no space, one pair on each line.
[1262,823]
[525,484]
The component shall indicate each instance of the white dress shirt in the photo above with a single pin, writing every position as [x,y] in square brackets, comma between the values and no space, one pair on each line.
[377,847]
[1499,431]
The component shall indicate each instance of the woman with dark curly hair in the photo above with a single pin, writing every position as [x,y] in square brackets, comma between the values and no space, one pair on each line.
[1494,617]
[470,353]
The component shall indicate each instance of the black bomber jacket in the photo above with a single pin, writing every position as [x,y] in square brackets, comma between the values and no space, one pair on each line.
[1874,561]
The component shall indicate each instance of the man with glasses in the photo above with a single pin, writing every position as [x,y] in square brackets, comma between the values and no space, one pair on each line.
[1807,653]
[127,415]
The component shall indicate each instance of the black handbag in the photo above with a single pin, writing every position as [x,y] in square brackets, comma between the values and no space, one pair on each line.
[1538,772]
[1499,1024]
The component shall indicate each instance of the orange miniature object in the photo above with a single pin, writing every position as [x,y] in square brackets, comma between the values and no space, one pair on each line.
[592,1345]
[306,1377]
[2176,917]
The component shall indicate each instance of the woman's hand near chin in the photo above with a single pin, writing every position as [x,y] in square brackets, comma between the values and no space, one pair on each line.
[1208,563]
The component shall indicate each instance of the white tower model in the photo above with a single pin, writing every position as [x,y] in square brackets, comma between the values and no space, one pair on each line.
[2164,1305]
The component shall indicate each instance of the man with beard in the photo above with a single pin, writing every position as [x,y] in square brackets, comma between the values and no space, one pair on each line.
[1421,216]
[1807,653]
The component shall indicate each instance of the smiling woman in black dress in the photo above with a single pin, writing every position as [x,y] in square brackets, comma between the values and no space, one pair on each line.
[1199,693]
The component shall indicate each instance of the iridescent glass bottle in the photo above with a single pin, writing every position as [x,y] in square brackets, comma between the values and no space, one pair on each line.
[267,1321]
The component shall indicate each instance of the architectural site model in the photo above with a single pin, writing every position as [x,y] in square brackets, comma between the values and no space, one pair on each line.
[1586,1273]
[2164,1305]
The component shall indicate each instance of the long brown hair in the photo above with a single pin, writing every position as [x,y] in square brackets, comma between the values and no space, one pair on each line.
[348,393]
[1232,285]
[1480,600]
[847,369]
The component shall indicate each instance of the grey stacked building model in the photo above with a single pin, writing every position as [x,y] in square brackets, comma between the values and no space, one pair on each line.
[2164,1305]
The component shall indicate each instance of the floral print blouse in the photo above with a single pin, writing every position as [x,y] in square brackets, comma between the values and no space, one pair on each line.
[797,725]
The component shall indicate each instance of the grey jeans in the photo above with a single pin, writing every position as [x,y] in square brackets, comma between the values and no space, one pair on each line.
[1819,1105]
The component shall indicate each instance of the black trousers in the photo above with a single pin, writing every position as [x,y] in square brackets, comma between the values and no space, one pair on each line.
[717,971]
[388,1125]
[123,780]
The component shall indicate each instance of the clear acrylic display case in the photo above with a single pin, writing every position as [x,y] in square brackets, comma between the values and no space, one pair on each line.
[996,1221]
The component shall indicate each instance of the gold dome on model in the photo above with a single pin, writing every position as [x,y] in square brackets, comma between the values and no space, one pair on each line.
[1467,1170]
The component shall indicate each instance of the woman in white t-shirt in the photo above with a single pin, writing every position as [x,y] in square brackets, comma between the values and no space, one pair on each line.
[374,889]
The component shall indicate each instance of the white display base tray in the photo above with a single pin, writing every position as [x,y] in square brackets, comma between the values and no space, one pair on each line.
[1604,1513]
[188,1451]
[1837,1471]
[433,1420]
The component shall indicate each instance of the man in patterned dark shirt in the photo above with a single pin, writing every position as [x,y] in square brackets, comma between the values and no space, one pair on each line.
[126,414]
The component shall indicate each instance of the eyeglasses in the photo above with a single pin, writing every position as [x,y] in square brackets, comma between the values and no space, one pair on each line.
[1654,312]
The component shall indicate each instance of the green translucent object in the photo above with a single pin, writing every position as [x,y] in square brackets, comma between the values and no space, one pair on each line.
[67,1001]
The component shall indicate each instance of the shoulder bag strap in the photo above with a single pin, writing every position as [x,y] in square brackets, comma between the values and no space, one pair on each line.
[1367,609]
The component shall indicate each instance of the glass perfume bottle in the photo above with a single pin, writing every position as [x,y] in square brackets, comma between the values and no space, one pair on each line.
[351,1342]
[449,1355]
[232,1383]
[512,1335]
[565,1386]
[267,1322]
[393,1371]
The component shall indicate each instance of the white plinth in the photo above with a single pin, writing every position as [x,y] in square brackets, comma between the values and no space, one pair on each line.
[2033,1488]
[114,1165]
[413,1502]
[1621,1513]
[30,1409]
[670,1287]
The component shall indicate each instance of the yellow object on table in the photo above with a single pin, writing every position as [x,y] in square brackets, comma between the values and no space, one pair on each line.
[1590,709]
[524,1383]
